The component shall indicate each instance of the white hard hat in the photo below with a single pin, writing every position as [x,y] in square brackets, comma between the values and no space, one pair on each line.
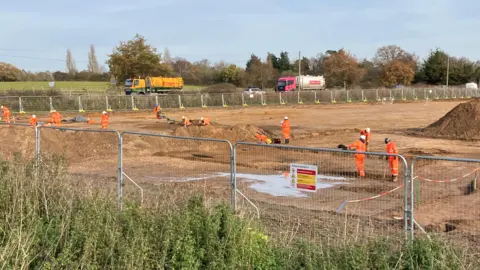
[367,129]
[54,110]
[183,117]
[104,112]
[286,118]
[362,137]
[1,107]
[201,118]
[34,116]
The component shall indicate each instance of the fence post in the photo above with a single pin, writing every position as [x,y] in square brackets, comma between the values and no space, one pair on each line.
[233,170]
[134,107]
[204,106]
[262,100]
[180,105]
[316,99]
[51,105]
[299,100]
[156,100]
[244,104]
[109,108]
[20,105]
[80,107]
[332,99]
[390,94]
[282,102]
[376,95]
[120,170]
[412,198]
[349,100]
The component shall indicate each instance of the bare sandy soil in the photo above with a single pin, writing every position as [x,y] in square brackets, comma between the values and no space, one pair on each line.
[167,168]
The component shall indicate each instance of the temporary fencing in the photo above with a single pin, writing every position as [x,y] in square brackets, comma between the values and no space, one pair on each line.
[445,197]
[165,169]
[316,193]
[83,103]
[93,157]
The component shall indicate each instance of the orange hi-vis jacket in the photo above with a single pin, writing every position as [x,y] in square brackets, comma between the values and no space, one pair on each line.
[206,122]
[391,149]
[286,129]
[33,121]
[6,110]
[359,146]
[366,134]
[104,121]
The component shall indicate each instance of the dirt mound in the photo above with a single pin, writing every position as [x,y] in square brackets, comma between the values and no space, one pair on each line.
[462,122]
[220,88]
[233,134]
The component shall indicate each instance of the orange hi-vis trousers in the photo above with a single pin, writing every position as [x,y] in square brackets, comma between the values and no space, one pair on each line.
[393,163]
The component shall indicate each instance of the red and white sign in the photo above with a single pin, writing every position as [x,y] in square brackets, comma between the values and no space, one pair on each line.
[304,177]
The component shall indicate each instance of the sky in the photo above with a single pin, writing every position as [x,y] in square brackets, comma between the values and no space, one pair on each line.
[36,34]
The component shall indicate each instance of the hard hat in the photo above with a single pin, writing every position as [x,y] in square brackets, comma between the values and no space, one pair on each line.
[104,112]
[201,118]
[54,110]
[387,140]
[286,118]
[1,107]
[34,116]
[367,130]
[183,117]
[362,137]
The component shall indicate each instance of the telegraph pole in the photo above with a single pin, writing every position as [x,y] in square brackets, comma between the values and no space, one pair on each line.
[448,68]
[299,72]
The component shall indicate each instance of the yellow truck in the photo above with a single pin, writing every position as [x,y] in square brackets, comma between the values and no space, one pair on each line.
[153,85]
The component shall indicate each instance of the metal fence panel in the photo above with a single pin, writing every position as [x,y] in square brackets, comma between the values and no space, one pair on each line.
[93,157]
[344,207]
[168,169]
[445,197]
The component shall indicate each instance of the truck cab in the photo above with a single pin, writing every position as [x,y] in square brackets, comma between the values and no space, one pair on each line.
[286,84]
[134,86]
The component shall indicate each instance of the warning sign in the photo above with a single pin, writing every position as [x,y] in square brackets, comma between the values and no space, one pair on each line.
[304,177]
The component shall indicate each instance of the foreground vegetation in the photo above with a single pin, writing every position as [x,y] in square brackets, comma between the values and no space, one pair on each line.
[49,221]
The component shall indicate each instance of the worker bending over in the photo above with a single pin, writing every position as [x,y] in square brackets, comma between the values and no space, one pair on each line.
[392,160]
[359,146]
[186,122]
[368,135]
[204,121]
[263,138]
[286,129]
[6,114]
[33,121]
[104,121]
[55,119]
[157,110]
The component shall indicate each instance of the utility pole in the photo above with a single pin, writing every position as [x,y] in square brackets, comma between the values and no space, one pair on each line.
[448,68]
[299,72]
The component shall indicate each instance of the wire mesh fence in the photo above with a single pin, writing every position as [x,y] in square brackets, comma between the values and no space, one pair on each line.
[335,205]
[172,101]
[445,197]
[92,157]
[162,169]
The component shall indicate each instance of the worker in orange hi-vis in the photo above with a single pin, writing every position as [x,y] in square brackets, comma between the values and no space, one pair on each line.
[6,114]
[33,121]
[57,118]
[261,137]
[359,146]
[157,110]
[186,122]
[204,121]
[368,136]
[104,121]
[286,129]
[392,160]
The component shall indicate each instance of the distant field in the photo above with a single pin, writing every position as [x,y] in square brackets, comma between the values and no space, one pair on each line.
[91,86]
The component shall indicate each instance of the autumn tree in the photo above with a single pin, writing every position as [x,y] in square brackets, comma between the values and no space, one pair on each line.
[261,74]
[93,66]
[342,68]
[70,63]
[304,66]
[397,72]
[372,77]
[9,73]
[389,53]
[136,58]
[231,74]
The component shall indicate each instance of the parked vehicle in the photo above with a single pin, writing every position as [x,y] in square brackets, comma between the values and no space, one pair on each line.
[303,82]
[471,85]
[253,90]
[153,85]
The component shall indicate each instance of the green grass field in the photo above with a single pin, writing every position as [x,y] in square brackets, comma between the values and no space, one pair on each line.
[69,85]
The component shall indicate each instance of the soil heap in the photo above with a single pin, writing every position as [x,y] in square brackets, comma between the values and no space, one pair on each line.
[233,134]
[462,122]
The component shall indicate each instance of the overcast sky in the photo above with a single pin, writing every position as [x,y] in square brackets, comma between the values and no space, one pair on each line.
[35,34]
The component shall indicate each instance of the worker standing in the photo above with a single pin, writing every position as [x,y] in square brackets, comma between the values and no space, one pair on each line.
[359,146]
[392,160]
[204,121]
[286,129]
[6,114]
[367,134]
[104,121]
[186,122]
[33,120]
[157,110]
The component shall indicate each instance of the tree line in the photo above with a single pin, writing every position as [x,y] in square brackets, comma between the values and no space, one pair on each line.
[390,67]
